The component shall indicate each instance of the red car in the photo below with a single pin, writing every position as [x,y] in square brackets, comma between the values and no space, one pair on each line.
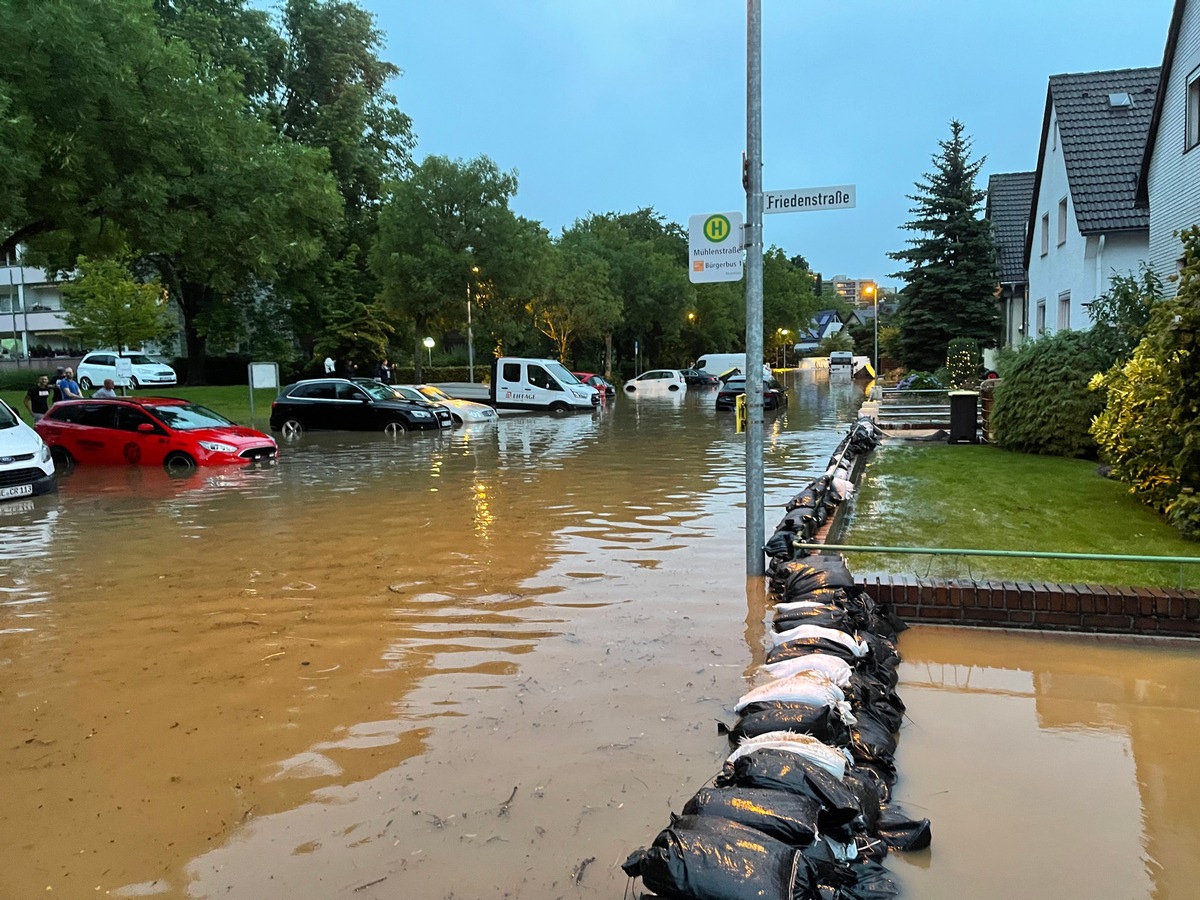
[603,388]
[150,431]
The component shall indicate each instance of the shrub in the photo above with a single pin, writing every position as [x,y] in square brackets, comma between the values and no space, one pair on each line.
[921,381]
[1043,404]
[1149,431]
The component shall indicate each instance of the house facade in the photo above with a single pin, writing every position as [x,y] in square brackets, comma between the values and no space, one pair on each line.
[1169,182]
[32,323]
[1084,224]
[1009,198]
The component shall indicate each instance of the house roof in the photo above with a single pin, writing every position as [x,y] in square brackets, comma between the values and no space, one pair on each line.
[1143,194]
[1102,146]
[1009,200]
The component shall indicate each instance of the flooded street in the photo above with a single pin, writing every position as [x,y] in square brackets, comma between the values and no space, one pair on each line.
[489,664]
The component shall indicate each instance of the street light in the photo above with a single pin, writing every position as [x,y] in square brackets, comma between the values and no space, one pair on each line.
[428,342]
[470,336]
[783,334]
[874,292]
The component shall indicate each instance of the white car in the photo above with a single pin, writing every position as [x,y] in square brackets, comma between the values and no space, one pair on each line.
[656,381]
[462,410]
[25,465]
[144,371]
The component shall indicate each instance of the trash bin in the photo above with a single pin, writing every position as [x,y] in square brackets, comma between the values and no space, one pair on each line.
[964,419]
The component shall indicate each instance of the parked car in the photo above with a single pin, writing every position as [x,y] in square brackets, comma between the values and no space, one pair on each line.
[151,431]
[699,377]
[343,405]
[774,393]
[597,381]
[26,467]
[521,382]
[657,380]
[144,371]
[460,410]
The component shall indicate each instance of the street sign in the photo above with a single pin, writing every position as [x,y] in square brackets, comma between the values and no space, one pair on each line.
[124,372]
[841,196]
[715,247]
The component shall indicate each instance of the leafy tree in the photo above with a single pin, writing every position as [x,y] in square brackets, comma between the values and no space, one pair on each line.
[1042,403]
[1149,430]
[952,262]
[108,308]
[1124,309]
[839,341]
[438,225]
[578,301]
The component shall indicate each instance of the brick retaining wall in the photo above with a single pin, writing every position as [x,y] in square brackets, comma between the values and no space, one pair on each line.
[1039,605]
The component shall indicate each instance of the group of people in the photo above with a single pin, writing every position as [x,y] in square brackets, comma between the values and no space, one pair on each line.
[349,369]
[43,395]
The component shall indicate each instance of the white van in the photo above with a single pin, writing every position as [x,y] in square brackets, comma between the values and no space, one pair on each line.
[720,363]
[522,383]
[841,362]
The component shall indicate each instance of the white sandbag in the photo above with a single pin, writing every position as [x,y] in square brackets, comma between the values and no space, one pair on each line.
[798,605]
[834,668]
[857,647]
[830,759]
[810,688]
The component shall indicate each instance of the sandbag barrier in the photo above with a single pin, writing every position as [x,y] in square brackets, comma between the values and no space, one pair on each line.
[801,808]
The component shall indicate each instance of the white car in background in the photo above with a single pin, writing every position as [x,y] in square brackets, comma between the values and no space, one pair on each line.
[462,410]
[657,381]
[26,468]
[144,371]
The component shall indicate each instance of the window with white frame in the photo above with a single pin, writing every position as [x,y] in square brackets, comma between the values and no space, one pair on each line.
[1062,221]
[1041,315]
[1192,122]
[1064,310]
[1045,233]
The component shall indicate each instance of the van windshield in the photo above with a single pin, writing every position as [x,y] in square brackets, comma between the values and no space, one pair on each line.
[562,373]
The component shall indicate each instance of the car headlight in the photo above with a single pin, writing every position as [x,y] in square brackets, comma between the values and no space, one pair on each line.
[45,453]
[218,447]
[579,395]
[421,414]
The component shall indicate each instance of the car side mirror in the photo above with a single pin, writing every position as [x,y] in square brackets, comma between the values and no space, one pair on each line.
[145,428]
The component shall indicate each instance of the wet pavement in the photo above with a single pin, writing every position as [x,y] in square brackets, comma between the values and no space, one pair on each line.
[489,664]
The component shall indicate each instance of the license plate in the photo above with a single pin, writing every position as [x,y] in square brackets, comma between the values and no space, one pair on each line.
[20,490]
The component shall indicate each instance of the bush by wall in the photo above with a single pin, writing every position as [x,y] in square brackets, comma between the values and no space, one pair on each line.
[1043,404]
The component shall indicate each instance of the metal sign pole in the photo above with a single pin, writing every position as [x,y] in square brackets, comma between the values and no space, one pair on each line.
[754,291]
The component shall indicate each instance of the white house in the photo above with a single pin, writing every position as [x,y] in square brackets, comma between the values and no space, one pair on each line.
[1009,197]
[1169,182]
[1084,224]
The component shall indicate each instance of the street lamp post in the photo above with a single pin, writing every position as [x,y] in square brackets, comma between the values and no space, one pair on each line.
[428,342]
[470,336]
[874,291]
[783,334]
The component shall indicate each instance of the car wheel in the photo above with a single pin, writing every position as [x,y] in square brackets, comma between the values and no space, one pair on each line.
[64,462]
[631,388]
[456,419]
[133,383]
[672,387]
[85,383]
[559,407]
[178,464]
[292,429]
[394,428]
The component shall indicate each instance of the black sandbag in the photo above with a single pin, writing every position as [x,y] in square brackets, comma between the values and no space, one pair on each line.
[872,741]
[791,818]
[786,570]
[867,880]
[827,616]
[708,858]
[866,790]
[900,831]
[786,715]
[803,646]
[799,521]
[780,545]
[812,495]
[778,770]
[829,595]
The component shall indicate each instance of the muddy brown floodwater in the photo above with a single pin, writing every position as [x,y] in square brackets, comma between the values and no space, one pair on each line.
[489,664]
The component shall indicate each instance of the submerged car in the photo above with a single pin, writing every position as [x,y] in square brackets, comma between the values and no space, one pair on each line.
[26,467]
[337,404]
[460,410]
[601,385]
[657,380]
[150,431]
[699,377]
[144,370]
[774,393]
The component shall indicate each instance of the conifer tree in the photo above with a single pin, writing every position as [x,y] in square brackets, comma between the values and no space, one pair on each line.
[951,277]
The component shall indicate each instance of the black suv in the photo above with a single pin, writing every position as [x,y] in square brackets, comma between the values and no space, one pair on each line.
[774,393]
[339,404]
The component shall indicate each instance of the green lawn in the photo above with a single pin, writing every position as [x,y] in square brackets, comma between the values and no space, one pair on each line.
[980,497]
[233,402]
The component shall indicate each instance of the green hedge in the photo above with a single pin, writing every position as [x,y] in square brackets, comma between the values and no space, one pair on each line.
[23,379]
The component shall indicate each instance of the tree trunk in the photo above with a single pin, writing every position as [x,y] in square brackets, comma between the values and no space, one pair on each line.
[418,350]
[608,356]
[192,302]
